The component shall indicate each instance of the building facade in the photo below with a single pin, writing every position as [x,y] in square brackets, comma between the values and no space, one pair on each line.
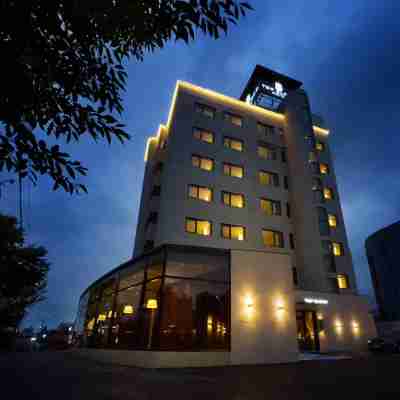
[382,254]
[240,210]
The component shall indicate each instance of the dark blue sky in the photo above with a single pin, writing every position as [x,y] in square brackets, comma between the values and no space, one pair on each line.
[346,53]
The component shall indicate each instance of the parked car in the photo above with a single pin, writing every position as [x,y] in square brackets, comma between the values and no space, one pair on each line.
[384,345]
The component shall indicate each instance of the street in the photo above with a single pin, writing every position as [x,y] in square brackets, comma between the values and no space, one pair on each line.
[65,375]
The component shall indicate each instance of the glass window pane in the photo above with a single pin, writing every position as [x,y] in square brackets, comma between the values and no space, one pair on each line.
[190,225]
[236,145]
[155,266]
[195,315]
[236,171]
[227,169]
[268,238]
[193,191]
[278,239]
[262,152]
[328,194]
[197,134]
[264,178]
[237,200]
[236,120]
[226,231]
[132,275]
[237,232]
[206,164]
[266,206]
[205,194]
[323,168]
[342,282]
[332,221]
[203,228]
[226,198]
[195,161]
[227,142]
[207,137]
[337,249]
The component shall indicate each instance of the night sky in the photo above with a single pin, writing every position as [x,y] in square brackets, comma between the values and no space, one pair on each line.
[347,55]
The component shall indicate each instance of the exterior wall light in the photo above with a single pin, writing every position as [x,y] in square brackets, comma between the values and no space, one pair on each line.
[101,317]
[128,309]
[280,309]
[339,326]
[249,302]
[355,328]
[152,304]
[312,300]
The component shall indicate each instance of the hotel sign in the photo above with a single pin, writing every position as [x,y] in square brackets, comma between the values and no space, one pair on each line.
[313,300]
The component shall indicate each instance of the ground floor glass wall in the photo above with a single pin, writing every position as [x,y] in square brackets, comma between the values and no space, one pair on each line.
[176,298]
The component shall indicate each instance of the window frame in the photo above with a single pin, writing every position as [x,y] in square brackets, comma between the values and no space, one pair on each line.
[268,130]
[229,115]
[202,131]
[332,217]
[201,107]
[198,187]
[341,247]
[230,226]
[320,168]
[274,233]
[203,158]
[273,204]
[196,220]
[230,165]
[329,189]
[273,174]
[230,194]
[345,278]
[229,140]
[272,151]
[319,146]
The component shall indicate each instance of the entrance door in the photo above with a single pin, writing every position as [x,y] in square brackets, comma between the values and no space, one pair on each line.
[307,336]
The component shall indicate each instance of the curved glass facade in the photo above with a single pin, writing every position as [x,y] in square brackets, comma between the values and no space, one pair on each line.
[175,298]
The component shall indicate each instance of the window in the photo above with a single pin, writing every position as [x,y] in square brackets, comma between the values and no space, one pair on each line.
[205,110]
[266,152]
[198,226]
[233,232]
[264,129]
[233,144]
[272,238]
[233,170]
[200,193]
[203,135]
[291,241]
[319,146]
[270,207]
[233,199]
[328,193]
[203,163]
[283,155]
[233,119]
[337,249]
[268,178]
[332,220]
[342,281]
[288,210]
[286,182]
[323,169]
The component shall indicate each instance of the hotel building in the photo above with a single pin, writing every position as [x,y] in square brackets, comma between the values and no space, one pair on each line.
[241,254]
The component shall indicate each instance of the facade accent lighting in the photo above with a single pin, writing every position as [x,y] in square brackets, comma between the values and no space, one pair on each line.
[152,304]
[312,300]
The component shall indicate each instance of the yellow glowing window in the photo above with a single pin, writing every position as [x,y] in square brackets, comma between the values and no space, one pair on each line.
[233,199]
[266,152]
[205,110]
[342,282]
[337,249]
[198,226]
[272,238]
[233,232]
[323,169]
[268,178]
[233,119]
[203,135]
[270,207]
[328,194]
[319,146]
[203,163]
[233,144]
[233,170]
[200,193]
[332,220]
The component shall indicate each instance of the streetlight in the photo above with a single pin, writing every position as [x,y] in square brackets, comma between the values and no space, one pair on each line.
[3,183]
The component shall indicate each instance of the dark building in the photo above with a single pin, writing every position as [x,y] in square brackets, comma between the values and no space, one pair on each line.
[383,258]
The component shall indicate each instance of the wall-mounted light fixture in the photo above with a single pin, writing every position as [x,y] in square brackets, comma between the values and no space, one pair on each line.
[355,327]
[248,301]
[152,304]
[280,309]
[128,309]
[312,300]
[339,326]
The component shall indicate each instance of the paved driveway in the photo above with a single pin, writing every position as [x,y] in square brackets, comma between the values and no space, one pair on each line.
[64,375]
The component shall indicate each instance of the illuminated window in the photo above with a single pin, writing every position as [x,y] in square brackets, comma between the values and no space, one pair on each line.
[203,163]
[270,207]
[337,249]
[233,119]
[342,281]
[323,169]
[328,194]
[203,135]
[200,193]
[233,199]
[272,238]
[233,170]
[266,152]
[233,144]
[233,232]
[268,178]
[198,226]
[319,146]
[264,129]
[332,220]
[205,110]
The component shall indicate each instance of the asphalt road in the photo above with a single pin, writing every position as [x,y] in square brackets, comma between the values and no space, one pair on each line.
[64,375]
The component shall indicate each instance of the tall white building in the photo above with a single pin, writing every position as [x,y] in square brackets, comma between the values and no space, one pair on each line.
[241,210]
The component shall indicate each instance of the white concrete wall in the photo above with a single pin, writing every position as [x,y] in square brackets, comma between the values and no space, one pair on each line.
[262,333]
[339,316]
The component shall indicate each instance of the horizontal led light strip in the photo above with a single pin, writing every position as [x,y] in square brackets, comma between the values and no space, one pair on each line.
[221,98]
